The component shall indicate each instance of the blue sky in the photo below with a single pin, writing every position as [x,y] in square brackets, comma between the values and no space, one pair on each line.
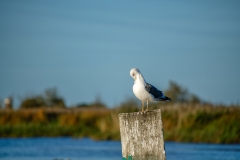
[86,48]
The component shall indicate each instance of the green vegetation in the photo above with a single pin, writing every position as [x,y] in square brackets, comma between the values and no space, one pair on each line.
[186,119]
[181,122]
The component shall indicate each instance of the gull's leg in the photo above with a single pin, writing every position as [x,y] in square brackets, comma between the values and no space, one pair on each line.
[142,106]
[147,106]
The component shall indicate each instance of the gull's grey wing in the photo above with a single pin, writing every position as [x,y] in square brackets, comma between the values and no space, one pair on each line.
[154,91]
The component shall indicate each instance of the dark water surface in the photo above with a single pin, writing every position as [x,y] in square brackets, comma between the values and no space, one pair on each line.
[87,149]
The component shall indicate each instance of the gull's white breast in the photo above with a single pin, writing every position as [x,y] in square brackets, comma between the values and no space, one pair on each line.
[141,93]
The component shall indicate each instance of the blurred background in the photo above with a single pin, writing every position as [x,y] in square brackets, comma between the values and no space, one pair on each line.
[86,49]
[64,72]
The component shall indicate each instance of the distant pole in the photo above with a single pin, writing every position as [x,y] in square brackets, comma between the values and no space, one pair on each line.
[8,103]
[142,135]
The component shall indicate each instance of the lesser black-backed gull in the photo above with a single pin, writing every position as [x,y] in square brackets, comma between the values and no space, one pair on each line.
[145,91]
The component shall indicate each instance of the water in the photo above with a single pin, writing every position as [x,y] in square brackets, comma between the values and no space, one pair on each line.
[87,149]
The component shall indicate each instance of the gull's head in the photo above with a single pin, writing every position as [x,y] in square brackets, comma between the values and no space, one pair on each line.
[134,73]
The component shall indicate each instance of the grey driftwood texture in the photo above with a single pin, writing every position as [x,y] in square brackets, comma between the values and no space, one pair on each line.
[142,135]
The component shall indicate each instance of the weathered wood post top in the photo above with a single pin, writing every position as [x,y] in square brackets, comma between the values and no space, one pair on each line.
[142,135]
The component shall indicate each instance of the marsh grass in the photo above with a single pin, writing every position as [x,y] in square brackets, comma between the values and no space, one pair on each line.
[181,122]
[94,123]
[201,123]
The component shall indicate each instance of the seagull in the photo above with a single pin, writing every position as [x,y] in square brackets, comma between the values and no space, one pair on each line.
[145,91]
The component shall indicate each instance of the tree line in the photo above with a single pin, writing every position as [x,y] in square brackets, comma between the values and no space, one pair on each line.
[51,98]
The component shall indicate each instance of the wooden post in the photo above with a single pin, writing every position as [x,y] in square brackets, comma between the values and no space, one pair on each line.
[142,135]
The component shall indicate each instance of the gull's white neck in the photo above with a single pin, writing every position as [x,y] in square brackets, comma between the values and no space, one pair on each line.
[140,79]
